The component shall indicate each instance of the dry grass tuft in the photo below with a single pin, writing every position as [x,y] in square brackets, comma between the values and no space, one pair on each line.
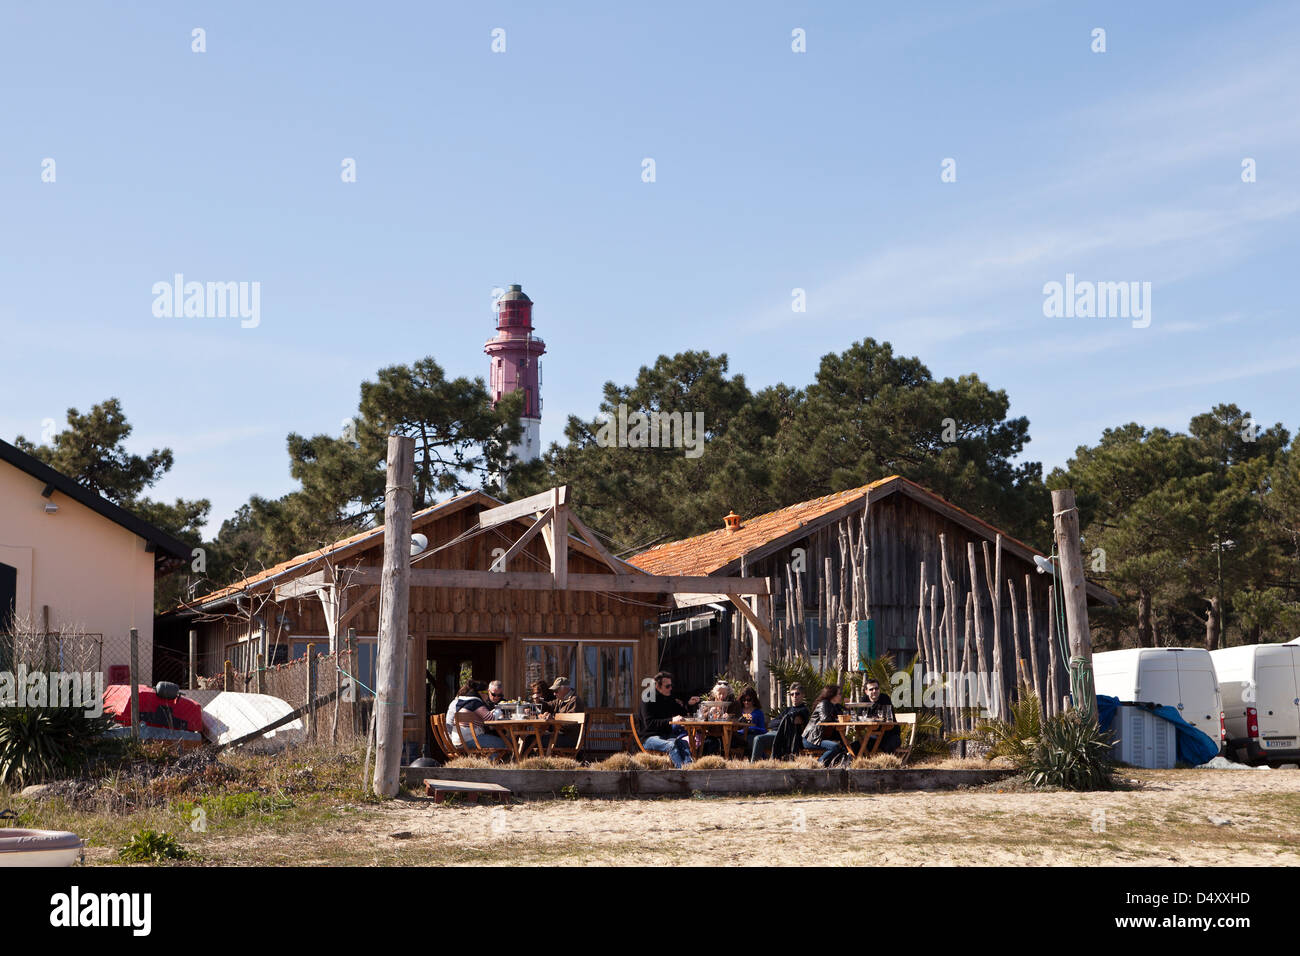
[652,762]
[546,763]
[877,762]
[473,763]
[797,763]
[619,761]
[969,763]
[711,762]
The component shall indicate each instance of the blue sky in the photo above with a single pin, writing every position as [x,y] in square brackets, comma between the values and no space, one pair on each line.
[775,170]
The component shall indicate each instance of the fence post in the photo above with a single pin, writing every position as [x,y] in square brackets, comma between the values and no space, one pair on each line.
[257,680]
[311,691]
[135,685]
[228,677]
[194,657]
[355,696]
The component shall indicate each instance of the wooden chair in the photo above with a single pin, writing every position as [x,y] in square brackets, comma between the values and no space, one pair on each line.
[904,753]
[438,723]
[467,731]
[636,738]
[576,720]
[606,733]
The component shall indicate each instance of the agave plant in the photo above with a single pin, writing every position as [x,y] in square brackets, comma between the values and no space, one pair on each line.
[1072,753]
[40,743]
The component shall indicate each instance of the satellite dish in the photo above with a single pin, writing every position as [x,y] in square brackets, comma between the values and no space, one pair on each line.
[1044,564]
[418,543]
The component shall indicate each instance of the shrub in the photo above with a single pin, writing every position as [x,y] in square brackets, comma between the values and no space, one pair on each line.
[569,792]
[1014,738]
[150,846]
[43,743]
[1072,753]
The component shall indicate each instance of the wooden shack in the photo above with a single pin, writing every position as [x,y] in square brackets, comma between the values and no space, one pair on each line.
[488,598]
[862,554]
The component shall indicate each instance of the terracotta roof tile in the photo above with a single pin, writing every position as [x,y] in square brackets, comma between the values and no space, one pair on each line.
[706,553]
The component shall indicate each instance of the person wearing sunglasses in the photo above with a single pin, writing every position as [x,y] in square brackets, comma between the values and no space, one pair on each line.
[661,716]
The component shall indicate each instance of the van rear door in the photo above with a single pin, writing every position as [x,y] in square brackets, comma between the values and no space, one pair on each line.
[1157,679]
[1198,696]
[1278,697]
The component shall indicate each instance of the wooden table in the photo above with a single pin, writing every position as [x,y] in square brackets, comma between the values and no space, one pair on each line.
[722,729]
[525,735]
[876,730]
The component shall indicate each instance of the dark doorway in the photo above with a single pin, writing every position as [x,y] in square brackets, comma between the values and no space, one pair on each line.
[451,663]
[8,596]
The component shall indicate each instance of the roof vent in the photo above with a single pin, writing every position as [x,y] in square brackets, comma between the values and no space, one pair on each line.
[733,521]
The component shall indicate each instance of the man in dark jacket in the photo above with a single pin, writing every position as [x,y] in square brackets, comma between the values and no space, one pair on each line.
[660,720]
[880,707]
[786,739]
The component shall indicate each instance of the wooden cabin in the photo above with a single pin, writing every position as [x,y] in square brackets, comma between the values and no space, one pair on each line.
[584,615]
[857,555]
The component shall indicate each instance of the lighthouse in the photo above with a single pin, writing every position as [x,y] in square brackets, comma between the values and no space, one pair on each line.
[514,365]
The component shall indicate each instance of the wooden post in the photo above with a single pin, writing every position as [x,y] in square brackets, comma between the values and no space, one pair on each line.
[395,592]
[1032,636]
[995,589]
[352,669]
[1021,664]
[258,686]
[135,685]
[1053,685]
[228,677]
[981,656]
[1065,520]
[311,692]
[194,659]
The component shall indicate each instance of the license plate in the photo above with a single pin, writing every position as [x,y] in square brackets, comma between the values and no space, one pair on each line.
[1284,742]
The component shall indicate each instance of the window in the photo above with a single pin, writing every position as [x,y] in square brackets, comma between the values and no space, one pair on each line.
[603,674]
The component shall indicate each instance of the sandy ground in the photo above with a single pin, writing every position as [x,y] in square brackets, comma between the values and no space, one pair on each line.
[1178,818]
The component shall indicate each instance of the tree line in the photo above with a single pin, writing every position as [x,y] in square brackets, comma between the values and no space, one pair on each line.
[1196,531]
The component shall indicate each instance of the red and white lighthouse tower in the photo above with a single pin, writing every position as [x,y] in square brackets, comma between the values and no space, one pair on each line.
[514,365]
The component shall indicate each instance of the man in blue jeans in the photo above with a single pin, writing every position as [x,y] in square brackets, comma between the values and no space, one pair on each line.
[791,723]
[661,718]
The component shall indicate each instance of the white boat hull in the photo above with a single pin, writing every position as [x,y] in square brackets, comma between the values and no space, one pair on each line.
[39,848]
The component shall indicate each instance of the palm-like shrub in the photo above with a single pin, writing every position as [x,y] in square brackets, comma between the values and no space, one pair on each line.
[1014,737]
[1072,753]
[42,743]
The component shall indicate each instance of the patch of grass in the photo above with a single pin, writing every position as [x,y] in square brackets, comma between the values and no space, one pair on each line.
[618,761]
[150,846]
[569,792]
[546,763]
[652,762]
[711,762]
[877,762]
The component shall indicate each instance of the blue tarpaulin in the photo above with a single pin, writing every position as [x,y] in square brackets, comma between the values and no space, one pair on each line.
[1194,746]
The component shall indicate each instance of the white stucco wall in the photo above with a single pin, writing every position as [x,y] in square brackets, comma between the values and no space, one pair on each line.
[94,575]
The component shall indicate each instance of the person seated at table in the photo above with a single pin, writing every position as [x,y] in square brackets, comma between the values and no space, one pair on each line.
[880,707]
[661,716]
[469,700]
[565,701]
[755,721]
[539,694]
[787,739]
[826,710]
[723,695]
[496,694]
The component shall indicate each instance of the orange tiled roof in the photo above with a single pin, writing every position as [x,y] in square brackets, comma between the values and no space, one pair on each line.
[706,553]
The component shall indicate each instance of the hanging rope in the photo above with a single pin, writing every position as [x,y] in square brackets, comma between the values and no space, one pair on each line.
[1082,690]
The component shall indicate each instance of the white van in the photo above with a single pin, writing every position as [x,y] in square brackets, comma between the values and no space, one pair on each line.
[1261,701]
[1180,677]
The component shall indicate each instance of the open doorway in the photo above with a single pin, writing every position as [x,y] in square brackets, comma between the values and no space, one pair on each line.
[450,663]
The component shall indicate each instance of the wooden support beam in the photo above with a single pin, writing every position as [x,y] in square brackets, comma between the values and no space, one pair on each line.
[501,563]
[559,541]
[359,605]
[753,617]
[588,536]
[394,619]
[543,581]
[492,517]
